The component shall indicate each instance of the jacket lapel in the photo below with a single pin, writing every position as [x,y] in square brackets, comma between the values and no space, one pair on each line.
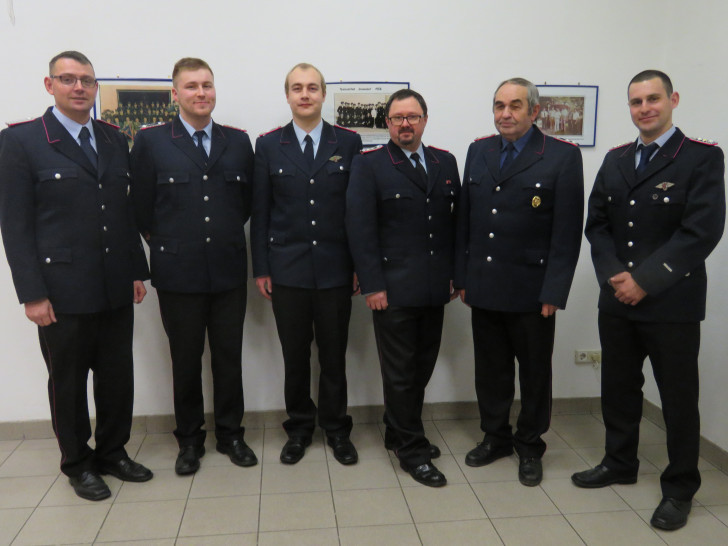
[531,153]
[626,164]
[291,149]
[182,139]
[433,169]
[62,141]
[664,156]
[104,147]
[404,165]
[326,148]
[218,144]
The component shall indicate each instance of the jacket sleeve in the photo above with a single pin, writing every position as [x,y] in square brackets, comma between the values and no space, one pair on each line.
[144,184]
[249,156]
[566,229]
[260,219]
[462,238]
[17,219]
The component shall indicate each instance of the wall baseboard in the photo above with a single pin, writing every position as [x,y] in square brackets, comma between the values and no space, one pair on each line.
[156,424]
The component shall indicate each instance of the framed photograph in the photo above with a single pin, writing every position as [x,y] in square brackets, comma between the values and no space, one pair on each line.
[133,103]
[360,106]
[569,111]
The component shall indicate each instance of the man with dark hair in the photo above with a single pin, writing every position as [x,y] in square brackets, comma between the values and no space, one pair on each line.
[192,180]
[655,213]
[301,259]
[77,264]
[400,218]
[519,235]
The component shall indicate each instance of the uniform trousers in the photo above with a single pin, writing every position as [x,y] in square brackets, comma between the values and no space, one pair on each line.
[498,339]
[673,351]
[186,318]
[73,346]
[302,315]
[408,341]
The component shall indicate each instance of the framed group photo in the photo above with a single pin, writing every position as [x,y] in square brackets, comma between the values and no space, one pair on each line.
[569,111]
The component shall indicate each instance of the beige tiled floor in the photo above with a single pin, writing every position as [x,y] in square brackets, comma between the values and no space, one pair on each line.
[319,502]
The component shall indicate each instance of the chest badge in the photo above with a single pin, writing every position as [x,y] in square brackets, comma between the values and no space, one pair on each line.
[664,186]
[536,201]
[335,158]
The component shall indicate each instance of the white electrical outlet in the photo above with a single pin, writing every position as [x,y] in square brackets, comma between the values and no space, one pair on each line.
[588,357]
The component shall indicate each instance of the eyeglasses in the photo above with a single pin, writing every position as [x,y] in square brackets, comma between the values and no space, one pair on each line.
[399,120]
[67,79]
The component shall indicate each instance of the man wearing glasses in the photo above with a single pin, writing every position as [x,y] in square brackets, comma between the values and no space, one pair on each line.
[77,264]
[519,235]
[192,184]
[400,217]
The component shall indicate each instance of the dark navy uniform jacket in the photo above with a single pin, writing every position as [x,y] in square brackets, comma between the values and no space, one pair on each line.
[660,226]
[297,233]
[402,234]
[68,228]
[519,232]
[194,214]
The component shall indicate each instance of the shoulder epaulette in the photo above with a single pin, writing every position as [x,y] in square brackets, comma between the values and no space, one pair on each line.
[439,149]
[368,150]
[705,141]
[566,140]
[271,131]
[19,122]
[621,145]
[484,137]
[235,128]
[152,125]
[108,123]
[346,129]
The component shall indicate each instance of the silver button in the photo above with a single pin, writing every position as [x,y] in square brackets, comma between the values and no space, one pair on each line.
[541,261]
[609,198]
[429,217]
[432,252]
[538,184]
[630,264]
[341,167]
[103,207]
[311,201]
[428,199]
[630,224]
[630,244]
[631,202]
[489,259]
[280,171]
[204,177]
[161,249]
[666,200]
[107,250]
[207,218]
[497,188]
[101,186]
[314,243]
[171,180]
[397,196]
[494,211]
[237,178]
[106,229]
[271,239]
[311,181]
[491,235]
[206,198]
[313,222]
[432,236]
[385,259]
[207,240]
[57,176]
[48,260]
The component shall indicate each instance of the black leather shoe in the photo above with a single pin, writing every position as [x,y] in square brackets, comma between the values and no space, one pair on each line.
[601,476]
[188,459]
[426,474]
[485,453]
[530,471]
[434,450]
[344,450]
[239,452]
[671,514]
[294,450]
[126,470]
[90,486]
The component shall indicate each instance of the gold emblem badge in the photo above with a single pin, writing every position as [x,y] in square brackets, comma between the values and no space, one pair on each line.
[536,201]
[335,158]
[664,186]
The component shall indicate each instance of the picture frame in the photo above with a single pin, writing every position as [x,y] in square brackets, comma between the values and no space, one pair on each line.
[132,103]
[570,112]
[360,106]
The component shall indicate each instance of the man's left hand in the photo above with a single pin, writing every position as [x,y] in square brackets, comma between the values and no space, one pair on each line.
[626,289]
[139,291]
[547,310]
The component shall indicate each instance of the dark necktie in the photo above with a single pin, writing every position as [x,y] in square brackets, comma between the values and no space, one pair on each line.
[85,138]
[510,154]
[198,136]
[647,152]
[308,150]
[419,168]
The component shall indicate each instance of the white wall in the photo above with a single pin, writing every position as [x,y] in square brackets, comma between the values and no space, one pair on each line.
[454,53]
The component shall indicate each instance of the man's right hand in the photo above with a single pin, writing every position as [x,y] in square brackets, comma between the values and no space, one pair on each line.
[40,312]
[377,301]
[265,286]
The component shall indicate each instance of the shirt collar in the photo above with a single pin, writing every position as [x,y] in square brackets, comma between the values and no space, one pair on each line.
[420,151]
[662,139]
[74,127]
[315,134]
[518,144]
[191,130]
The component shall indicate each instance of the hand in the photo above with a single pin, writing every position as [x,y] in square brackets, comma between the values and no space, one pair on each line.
[355,288]
[377,301]
[626,289]
[139,291]
[547,310]
[265,286]
[40,312]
